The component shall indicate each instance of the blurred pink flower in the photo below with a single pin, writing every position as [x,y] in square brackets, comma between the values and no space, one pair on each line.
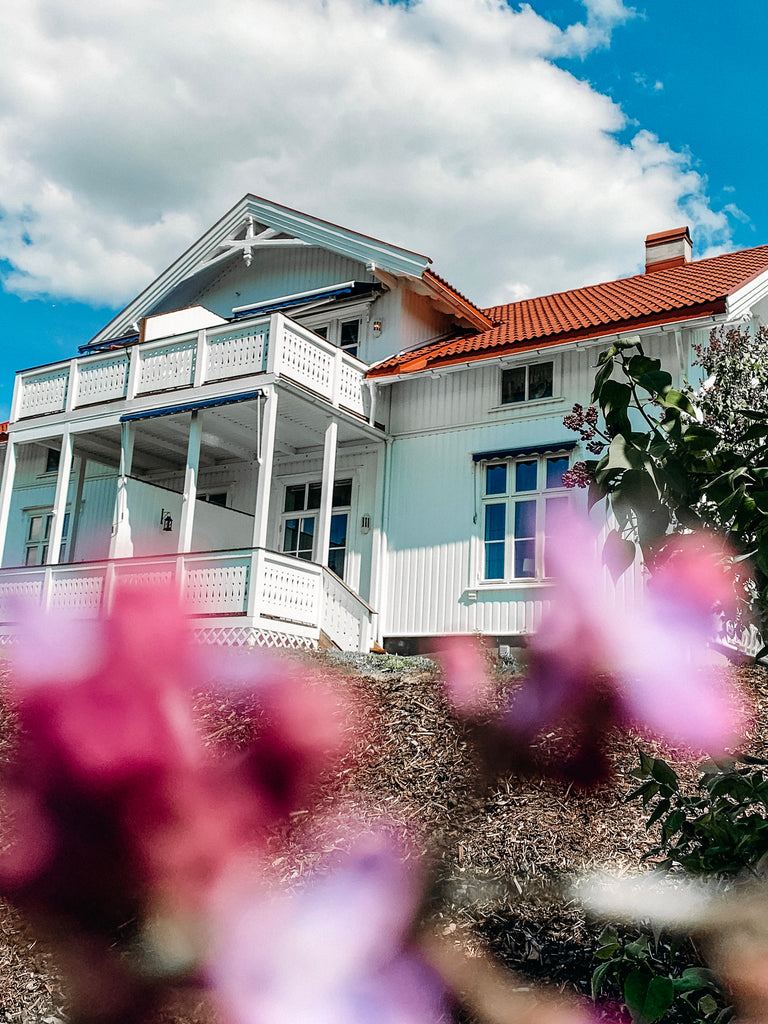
[466,682]
[119,815]
[334,952]
[595,663]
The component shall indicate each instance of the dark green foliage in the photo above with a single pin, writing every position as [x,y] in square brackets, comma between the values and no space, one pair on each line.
[665,467]
[657,976]
[722,828]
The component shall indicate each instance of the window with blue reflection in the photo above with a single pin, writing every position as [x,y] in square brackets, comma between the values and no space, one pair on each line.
[495,535]
[526,475]
[555,469]
[496,479]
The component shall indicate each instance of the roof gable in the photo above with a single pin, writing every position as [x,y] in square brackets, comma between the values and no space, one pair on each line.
[695,289]
[254,225]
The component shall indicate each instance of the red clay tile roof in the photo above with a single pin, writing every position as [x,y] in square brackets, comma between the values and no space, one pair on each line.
[697,289]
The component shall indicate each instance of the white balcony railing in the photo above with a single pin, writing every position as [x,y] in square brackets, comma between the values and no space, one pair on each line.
[275,345]
[257,585]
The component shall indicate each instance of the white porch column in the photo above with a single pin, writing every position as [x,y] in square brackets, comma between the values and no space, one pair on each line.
[190,483]
[264,483]
[326,493]
[74,523]
[6,493]
[60,499]
[121,542]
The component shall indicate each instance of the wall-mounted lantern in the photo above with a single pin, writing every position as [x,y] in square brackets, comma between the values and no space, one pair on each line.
[376,328]
[166,521]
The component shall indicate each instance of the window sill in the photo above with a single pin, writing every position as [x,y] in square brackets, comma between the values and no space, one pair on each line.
[501,586]
[532,405]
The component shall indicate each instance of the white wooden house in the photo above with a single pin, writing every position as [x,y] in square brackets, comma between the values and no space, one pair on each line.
[312,435]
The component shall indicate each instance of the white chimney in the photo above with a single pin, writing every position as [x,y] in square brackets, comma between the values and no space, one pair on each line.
[667,249]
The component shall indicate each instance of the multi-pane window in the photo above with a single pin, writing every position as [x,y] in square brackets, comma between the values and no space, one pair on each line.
[521,501]
[300,521]
[38,532]
[342,333]
[527,383]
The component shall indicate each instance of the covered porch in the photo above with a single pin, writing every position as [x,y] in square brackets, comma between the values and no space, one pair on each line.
[245,495]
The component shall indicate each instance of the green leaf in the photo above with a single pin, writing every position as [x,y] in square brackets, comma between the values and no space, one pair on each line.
[606,368]
[707,1004]
[694,978]
[618,554]
[599,975]
[674,399]
[673,824]
[614,395]
[638,365]
[661,771]
[656,382]
[638,949]
[647,998]
[659,811]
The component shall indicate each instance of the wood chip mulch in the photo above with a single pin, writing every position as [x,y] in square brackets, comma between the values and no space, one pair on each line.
[497,857]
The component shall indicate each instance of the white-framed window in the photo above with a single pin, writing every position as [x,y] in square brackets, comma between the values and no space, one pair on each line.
[38,531]
[343,333]
[521,499]
[301,510]
[529,383]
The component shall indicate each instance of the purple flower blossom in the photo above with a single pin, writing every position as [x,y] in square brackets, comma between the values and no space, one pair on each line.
[334,952]
[595,663]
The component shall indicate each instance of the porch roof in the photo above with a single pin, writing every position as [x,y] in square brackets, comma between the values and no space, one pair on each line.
[208,403]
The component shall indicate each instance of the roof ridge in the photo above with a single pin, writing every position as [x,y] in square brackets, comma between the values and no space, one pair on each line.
[657,276]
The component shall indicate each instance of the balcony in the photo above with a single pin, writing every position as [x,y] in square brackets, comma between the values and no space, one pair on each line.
[232,597]
[199,359]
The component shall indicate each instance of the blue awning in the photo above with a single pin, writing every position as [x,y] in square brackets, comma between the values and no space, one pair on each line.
[355,289]
[516,453]
[208,403]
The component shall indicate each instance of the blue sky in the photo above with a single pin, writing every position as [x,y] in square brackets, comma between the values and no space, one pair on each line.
[526,148]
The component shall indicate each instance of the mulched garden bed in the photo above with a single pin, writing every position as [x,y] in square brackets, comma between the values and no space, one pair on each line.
[498,857]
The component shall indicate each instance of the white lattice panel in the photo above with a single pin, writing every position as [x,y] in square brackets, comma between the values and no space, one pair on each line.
[248,636]
[216,589]
[80,595]
[288,593]
[305,362]
[144,578]
[44,392]
[171,366]
[351,388]
[18,592]
[103,380]
[237,353]
[343,616]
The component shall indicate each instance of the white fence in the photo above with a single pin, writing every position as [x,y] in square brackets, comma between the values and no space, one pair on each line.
[277,345]
[258,585]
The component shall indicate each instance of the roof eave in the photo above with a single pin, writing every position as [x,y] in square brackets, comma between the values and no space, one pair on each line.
[564,339]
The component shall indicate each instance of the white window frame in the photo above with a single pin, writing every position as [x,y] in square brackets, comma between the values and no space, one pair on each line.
[509,543]
[306,481]
[331,321]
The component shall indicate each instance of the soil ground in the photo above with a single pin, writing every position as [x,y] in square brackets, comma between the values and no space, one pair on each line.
[499,856]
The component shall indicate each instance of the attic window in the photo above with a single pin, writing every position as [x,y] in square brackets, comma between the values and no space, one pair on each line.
[527,383]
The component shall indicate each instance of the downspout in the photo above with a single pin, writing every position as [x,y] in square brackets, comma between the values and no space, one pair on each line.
[382,595]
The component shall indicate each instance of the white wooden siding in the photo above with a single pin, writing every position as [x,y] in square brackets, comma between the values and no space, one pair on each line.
[273,274]
[434,548]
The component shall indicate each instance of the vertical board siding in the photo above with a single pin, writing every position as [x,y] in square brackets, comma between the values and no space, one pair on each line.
[434,547]
[278,272]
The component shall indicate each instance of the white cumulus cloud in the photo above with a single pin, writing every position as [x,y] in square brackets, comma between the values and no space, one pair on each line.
[441,125]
